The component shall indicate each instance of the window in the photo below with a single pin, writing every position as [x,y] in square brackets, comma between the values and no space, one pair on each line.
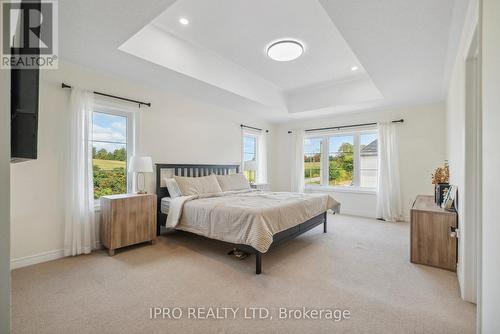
[312,160]
[111,134]
[368,160]
[250,164]
[254,155]
[342,160]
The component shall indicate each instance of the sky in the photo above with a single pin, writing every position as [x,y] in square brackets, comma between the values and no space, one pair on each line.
[367,138]
[109,131]
[313,145]
[336,142]
[249,148]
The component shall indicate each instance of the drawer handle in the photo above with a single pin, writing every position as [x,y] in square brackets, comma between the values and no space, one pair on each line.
[453,232]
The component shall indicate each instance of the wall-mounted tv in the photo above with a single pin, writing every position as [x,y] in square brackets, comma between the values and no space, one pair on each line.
[24,114]
[24,85]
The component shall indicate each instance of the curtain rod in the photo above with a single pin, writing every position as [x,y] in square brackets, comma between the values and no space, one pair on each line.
[251,127]
[349,126]
[63,85]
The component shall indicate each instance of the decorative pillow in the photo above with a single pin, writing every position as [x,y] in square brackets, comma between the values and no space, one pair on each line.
[198,185]
[233,182]
[173,188]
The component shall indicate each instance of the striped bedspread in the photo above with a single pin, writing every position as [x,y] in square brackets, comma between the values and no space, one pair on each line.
[246,217]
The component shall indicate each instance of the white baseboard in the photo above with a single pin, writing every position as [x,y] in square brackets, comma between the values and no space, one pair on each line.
[37,258]
[40,258]
[356,213]
[365,214]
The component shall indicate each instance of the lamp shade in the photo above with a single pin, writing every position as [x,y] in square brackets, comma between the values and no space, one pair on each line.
[141,164]
[250,165]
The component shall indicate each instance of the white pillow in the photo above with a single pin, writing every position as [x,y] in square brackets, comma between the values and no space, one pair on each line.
[173,188]
[198,185]
[233,182]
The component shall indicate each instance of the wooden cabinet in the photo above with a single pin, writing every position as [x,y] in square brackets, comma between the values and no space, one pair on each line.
[127,219]
[432,241]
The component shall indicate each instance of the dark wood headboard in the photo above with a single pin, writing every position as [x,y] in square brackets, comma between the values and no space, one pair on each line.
[190,171]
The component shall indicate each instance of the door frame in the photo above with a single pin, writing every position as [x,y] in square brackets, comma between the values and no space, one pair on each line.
[472,173]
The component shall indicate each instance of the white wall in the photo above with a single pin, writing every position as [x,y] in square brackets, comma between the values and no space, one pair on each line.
[458,134]
[422,145]
[174,130]
[490,303]
[349,92]
[456,155]
[4,201]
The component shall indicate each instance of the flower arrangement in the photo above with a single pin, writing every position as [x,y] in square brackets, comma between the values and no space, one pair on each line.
[441,174]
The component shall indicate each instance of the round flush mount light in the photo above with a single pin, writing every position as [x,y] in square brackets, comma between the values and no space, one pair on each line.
[183,21]
[354,68]
[285,50]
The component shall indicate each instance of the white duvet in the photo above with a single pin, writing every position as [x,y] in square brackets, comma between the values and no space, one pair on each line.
[246,217]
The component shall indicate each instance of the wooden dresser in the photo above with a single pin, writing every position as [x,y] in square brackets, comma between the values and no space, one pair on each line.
[432,240]
[127,219]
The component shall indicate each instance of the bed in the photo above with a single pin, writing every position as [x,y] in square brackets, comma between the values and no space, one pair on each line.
[252,221]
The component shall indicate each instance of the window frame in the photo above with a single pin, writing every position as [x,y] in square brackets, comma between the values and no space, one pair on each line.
[130,144]
[325,160]
[322,166]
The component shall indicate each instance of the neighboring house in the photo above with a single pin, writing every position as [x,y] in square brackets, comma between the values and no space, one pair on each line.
[368,157]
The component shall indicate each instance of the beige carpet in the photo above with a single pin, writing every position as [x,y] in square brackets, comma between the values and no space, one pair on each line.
[360,265]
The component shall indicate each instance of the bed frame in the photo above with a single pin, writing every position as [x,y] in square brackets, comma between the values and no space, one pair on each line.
[204,170]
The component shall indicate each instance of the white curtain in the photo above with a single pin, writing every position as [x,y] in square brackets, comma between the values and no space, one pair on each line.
[260,166]
[262,158]
[389,206]
[80,236]
[242,164]
[297,181]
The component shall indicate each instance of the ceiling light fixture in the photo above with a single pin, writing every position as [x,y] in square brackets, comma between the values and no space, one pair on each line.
[285,50]
[183,21]
[354,68]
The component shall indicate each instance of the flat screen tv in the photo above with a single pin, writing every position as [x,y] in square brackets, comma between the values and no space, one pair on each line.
[24,114]
[24,85]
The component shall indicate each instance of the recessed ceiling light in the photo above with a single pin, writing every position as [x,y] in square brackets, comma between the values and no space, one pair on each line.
[354,68]
[184,21]
[285,50]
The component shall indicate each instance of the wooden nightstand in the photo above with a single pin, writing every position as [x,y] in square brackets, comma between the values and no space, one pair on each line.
[431,231]
[127,219]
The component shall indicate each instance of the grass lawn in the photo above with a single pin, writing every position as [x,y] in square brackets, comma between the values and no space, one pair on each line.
[311,165]
[313,177]
[109,164]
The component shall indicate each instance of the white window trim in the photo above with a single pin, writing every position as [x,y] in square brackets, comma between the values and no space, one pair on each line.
[131,138]
[325,135]
[340,189]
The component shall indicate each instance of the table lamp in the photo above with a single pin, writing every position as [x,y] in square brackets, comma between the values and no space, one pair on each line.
[141,165]
[251,167]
